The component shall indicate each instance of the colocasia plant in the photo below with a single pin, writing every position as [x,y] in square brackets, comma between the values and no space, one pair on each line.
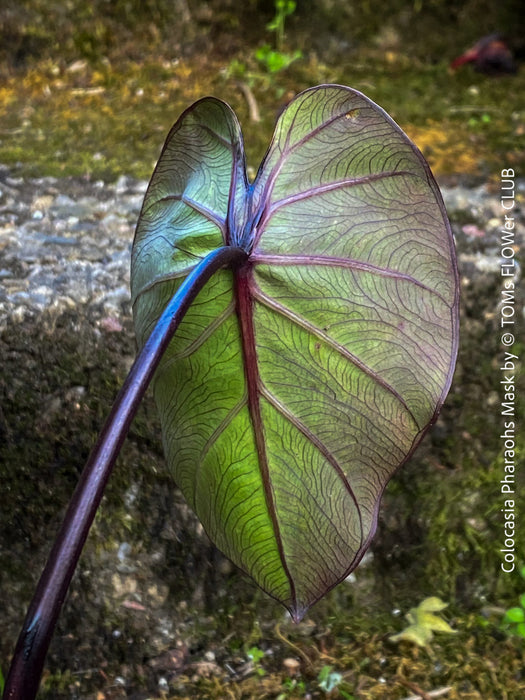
[316,312]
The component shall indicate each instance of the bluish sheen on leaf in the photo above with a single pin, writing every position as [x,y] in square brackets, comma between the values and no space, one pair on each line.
[298,383]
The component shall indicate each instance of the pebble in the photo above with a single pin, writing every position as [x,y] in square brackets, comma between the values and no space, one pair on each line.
[291,666]
[67,242]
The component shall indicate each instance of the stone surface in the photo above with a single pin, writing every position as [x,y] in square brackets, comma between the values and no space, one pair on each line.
[66,243]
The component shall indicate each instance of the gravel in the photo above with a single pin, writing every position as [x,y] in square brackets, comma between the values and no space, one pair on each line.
[66,242]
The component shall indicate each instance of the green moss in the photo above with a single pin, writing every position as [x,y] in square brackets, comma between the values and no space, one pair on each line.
[104,120]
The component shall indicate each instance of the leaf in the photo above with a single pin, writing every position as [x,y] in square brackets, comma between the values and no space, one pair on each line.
[275,61]
[514,615]
[432,604]
[415,634]
[255,654]
[297,384]
[433,622]
[423,623]
[328,680]
[520,629]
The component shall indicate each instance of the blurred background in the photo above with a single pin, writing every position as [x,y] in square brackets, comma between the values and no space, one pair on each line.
[92,88]
[88,92]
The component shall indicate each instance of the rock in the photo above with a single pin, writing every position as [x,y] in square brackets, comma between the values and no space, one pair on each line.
[65,246]
[65,242]
[291,666]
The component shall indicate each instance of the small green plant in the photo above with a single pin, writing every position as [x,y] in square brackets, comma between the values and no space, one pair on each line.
[272,60]
[513,622]
[275,60]
[255,655]
[283,9]
[292,688]
[423,623]
[330,681]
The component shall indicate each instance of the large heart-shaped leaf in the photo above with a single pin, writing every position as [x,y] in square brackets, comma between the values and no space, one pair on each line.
[297,384]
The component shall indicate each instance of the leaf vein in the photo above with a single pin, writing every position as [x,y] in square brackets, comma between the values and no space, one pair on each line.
[302,428]
[332,261]
[344,352]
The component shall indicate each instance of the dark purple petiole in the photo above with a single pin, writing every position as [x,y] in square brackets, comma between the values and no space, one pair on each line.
[31,649]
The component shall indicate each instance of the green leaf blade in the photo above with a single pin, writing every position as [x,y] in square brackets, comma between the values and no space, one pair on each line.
[297,385]
[198,187]
[514,615]
[309,500]
[355,300]
[232,510]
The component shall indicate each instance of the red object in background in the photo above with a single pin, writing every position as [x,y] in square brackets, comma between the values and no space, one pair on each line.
[490,55]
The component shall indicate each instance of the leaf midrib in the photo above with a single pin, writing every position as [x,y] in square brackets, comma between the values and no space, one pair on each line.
[244,304]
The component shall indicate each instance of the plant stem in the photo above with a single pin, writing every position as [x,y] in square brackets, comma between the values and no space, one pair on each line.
[28,660]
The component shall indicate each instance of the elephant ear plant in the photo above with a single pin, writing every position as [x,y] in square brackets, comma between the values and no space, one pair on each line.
[316,312]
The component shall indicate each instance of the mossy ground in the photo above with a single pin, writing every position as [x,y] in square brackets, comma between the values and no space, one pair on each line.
[94,90]
[440,531]
[104,119]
